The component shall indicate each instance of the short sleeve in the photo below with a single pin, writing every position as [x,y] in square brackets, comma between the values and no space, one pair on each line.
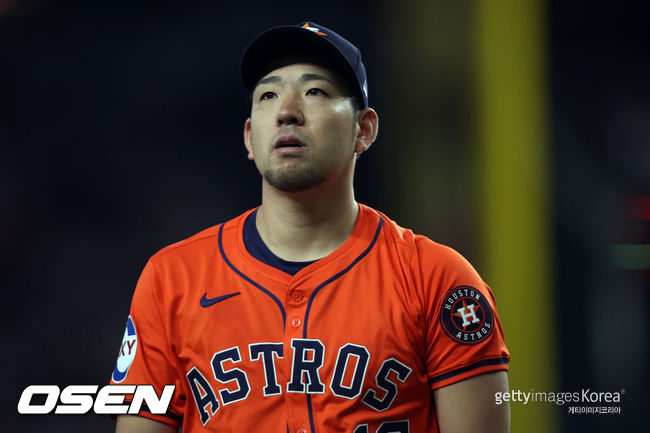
[145,356]
[463,337]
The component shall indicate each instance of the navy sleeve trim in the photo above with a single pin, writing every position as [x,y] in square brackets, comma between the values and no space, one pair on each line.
[484,363]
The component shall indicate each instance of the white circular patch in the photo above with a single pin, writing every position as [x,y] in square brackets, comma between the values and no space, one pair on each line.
[127,352]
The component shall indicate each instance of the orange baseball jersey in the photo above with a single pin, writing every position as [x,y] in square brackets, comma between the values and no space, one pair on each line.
[355,342]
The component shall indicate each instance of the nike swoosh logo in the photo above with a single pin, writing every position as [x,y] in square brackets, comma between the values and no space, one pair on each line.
[205,302]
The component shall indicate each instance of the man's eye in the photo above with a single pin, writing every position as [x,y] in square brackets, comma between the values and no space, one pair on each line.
[267,95]
[315,91]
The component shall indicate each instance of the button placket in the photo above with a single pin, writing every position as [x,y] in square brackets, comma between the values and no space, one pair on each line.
[295,307]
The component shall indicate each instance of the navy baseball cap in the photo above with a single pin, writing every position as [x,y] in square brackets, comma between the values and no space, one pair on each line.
[309,39]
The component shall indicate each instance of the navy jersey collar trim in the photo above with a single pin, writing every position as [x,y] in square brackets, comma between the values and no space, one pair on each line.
[257,248]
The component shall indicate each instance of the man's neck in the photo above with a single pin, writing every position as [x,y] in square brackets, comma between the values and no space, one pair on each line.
[307,225]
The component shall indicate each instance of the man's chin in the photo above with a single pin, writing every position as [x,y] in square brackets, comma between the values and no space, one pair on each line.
[292,181]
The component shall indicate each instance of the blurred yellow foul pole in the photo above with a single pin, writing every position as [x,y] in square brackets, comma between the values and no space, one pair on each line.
[514,186]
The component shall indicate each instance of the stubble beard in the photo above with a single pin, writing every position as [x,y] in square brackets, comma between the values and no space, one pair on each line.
[293,179]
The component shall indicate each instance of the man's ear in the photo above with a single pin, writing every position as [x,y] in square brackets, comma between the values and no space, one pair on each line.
[368,127]
[247,138]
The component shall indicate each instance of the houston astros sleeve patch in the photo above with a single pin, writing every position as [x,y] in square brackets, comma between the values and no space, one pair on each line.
[466,316]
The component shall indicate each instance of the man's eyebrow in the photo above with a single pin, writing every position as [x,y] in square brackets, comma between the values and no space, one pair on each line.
[269,79]
[309,76]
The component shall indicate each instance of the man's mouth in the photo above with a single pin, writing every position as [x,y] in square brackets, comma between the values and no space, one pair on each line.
[288,143]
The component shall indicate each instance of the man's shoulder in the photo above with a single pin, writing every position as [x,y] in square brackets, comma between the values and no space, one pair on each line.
[404,235]
[205,240]
[393,232]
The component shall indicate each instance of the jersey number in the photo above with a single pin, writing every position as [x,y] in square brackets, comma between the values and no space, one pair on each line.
[386,427]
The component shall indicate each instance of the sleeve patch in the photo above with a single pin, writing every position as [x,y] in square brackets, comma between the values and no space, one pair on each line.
[466,316]
[127,352]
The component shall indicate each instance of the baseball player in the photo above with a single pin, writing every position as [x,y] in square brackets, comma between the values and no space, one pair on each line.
[312,312]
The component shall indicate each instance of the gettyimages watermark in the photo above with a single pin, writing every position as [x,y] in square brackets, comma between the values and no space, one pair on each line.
[585,401]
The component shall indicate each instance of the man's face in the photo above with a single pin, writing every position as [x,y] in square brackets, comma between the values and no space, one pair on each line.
[302,129]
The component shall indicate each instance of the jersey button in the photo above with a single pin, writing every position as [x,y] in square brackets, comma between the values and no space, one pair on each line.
[296,322]
[301,430]
[297,297]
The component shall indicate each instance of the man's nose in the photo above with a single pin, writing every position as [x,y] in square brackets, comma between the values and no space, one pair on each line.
[290,112]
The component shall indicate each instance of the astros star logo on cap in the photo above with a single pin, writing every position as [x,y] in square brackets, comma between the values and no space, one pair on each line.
[313,29]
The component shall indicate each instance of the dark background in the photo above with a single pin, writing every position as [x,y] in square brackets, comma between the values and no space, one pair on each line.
[120,131]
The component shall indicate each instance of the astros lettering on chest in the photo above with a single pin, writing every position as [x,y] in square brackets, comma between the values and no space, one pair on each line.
[345,343]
